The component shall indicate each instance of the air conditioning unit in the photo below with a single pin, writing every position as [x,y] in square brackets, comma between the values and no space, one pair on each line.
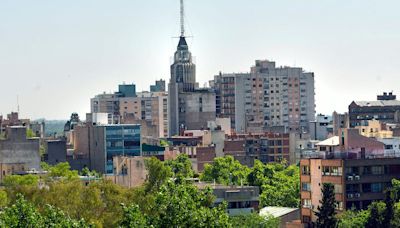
[357,177]
[350,178]
[350,196]
[308,206]
[357,195]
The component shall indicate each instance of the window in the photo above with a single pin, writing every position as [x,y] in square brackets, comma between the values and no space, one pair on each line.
[388,147]
[306,187]
[332,171]
[339,206]
[377,170]
[338,188]
[305,170]
[376,187]
[307,203]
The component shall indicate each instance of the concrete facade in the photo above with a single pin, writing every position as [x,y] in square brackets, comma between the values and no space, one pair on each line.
[386,109]
[109,141]
[269,98]
[17,153]
[128,171]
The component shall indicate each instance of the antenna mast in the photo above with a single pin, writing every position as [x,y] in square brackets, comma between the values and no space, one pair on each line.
[18,103]
[182,19]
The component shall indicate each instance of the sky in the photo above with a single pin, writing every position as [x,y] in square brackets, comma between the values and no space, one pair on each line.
[57,54]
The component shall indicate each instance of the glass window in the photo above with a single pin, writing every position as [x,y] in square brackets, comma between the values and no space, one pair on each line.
[376,170]
[306,186]
[336,171]
[307,203]
[305,170]
[376,187]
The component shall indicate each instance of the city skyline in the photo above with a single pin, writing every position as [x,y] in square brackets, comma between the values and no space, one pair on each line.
[73,51]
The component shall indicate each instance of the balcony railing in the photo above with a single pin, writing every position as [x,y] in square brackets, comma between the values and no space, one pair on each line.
[349,155]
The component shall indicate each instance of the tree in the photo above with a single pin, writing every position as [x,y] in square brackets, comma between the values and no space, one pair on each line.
[133,217]
[279,183]
[158,174]
[30,134]
[17,180]
[326,211]
[24,214]
[377,215]
[62,170]
[3,199]
[226,170]
[353,219]
[184,205]
[181,166]
[389,211]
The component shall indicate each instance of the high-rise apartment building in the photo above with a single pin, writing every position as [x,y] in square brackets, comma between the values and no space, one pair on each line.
[150,107]
[231,92]
[270,98]
[282,98]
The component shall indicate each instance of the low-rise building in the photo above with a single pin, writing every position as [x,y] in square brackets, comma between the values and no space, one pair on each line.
[128,171]
[241,199]
[18,153]
[284,214]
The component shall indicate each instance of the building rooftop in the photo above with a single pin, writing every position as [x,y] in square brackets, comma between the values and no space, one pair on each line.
[333,141]
[276,212]
[379,103]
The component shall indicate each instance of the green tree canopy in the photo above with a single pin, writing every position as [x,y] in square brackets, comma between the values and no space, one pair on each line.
[62,170]
[158,174]
[181,166]
[226,170]
[24,214]
[279,183]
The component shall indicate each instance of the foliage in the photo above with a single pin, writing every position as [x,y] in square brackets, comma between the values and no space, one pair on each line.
[280,184]
[326,211]
[89,173]
[184,205]
[133,217]
[225,170]
[164,143]
[158,174]
[3,199]
[377,212]
[62,170]
[353,219]
[254,220]
[30,134]
[24,214]
[181,166]
[18,180]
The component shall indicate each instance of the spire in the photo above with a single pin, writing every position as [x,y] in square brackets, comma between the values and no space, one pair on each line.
[182,19]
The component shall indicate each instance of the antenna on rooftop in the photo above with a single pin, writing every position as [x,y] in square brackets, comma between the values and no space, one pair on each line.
[182,19]
[18,103]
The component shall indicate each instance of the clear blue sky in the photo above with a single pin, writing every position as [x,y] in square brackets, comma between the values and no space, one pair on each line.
[57,54]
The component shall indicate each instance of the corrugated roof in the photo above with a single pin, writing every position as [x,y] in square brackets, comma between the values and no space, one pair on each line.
[276,212]
[378,103]
[333,141]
